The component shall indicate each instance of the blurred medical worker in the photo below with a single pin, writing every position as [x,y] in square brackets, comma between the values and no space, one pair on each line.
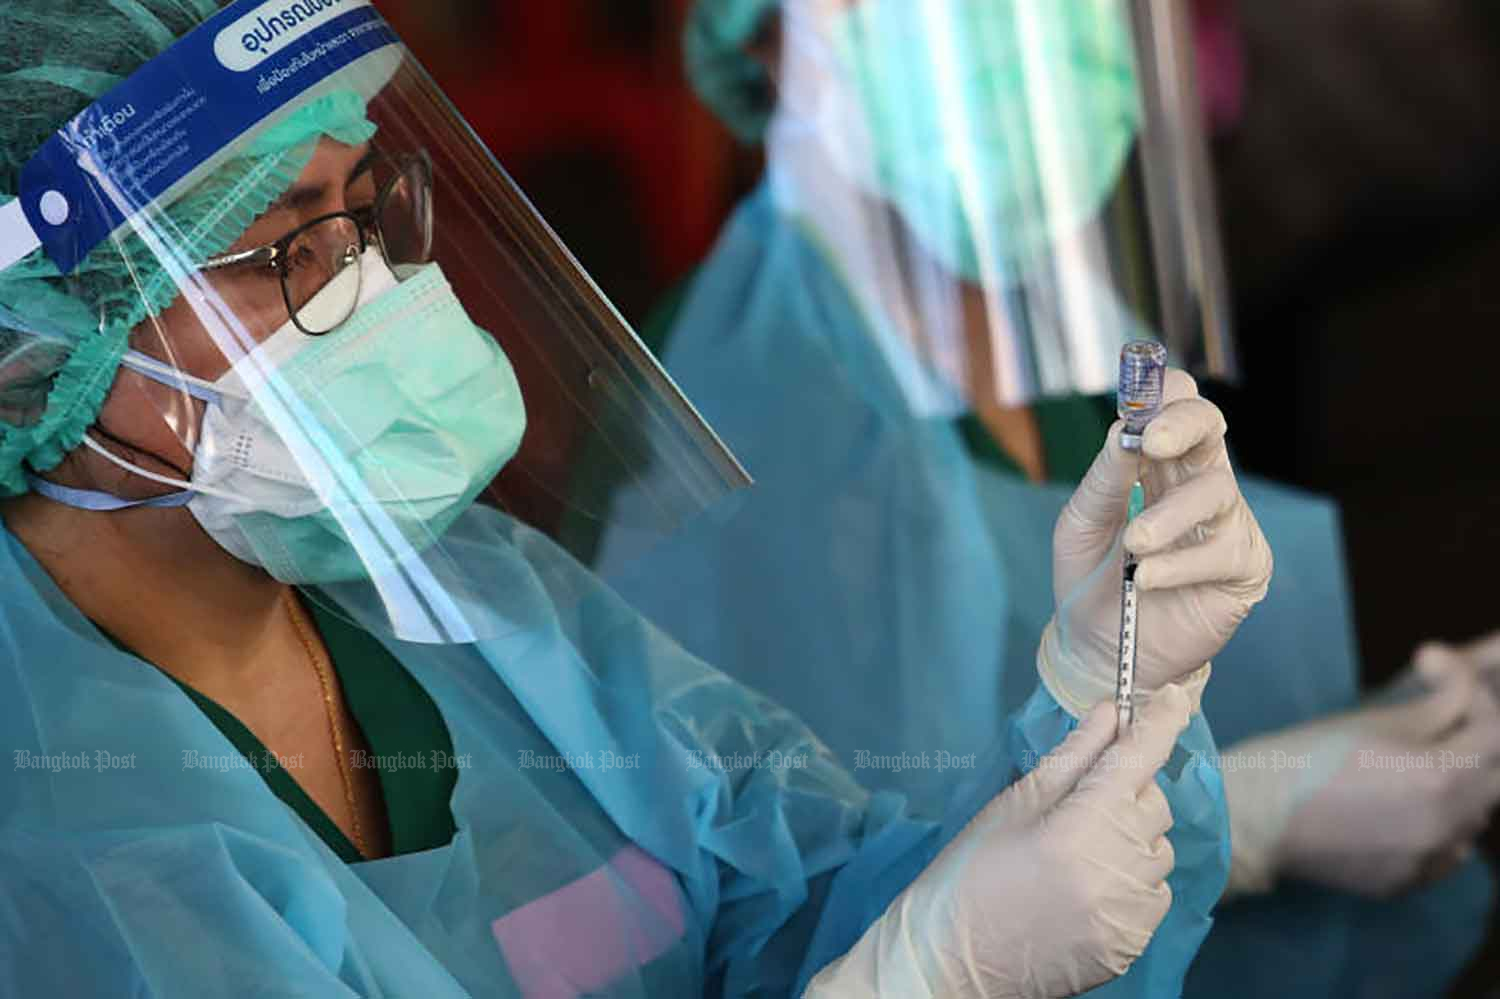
[968,207]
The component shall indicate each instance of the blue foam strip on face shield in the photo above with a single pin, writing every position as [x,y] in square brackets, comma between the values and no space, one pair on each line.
[176,114]
[153,369]
[101,502]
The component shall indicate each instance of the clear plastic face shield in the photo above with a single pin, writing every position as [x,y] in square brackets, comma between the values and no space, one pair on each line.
[309,309]
[1012,189]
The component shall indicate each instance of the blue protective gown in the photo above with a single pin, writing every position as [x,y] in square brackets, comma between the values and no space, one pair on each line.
[857,580]
[698,841]
[891,589]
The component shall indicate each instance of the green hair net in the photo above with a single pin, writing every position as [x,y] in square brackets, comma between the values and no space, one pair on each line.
[729,81]
[61,338]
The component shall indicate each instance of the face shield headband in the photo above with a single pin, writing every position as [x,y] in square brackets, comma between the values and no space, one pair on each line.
[171,123]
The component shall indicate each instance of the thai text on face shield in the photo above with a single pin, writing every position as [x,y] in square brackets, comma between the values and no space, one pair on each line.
[269,27]
[270,81]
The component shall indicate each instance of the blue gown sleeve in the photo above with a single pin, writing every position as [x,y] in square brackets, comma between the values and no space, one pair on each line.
[869,881]
[782,852]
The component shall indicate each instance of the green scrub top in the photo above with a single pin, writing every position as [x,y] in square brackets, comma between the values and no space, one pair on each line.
[401,725]
[1072,428]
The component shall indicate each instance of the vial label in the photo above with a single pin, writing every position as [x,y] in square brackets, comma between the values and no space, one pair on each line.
[1143,375]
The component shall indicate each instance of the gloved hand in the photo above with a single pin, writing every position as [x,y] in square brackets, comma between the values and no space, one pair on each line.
[1203,562]
[1483,654]
[1055,888]
[1375,801]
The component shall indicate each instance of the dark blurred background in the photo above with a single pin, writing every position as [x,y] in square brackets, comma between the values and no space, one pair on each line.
[1359,174]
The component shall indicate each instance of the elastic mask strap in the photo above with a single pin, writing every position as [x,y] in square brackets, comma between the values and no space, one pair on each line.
[89,499]
[165,374]
[186,487]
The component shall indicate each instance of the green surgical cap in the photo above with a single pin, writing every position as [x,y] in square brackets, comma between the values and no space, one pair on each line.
[61,338]
[729,81]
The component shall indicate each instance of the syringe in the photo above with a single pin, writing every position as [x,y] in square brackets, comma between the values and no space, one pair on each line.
[1143,374]
[1129,628]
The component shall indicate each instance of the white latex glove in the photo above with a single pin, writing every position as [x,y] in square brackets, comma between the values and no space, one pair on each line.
[1203,561]
[1483,654]
[1373,802]
[1055,888]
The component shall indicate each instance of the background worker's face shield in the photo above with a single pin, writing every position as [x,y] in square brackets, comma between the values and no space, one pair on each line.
[1011,188]
[274,279]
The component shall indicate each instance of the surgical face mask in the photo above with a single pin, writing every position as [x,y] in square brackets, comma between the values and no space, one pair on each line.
[993,126]
[327,459]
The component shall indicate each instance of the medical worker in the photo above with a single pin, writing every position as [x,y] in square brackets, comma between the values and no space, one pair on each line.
[900,332]
[292,707]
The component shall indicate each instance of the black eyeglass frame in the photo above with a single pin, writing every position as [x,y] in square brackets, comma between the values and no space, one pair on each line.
[366,223]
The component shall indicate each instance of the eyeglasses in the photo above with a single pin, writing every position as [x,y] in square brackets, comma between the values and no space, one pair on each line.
[324,254]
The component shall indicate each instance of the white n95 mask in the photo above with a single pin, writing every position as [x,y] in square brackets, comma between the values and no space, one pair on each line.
[333,458]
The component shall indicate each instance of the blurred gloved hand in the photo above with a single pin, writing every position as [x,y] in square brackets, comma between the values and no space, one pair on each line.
[1482,654]
[1203,562]
[1375,801]
[1055,888]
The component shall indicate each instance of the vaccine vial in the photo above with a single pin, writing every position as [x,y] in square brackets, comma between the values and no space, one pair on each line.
[1143,375]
